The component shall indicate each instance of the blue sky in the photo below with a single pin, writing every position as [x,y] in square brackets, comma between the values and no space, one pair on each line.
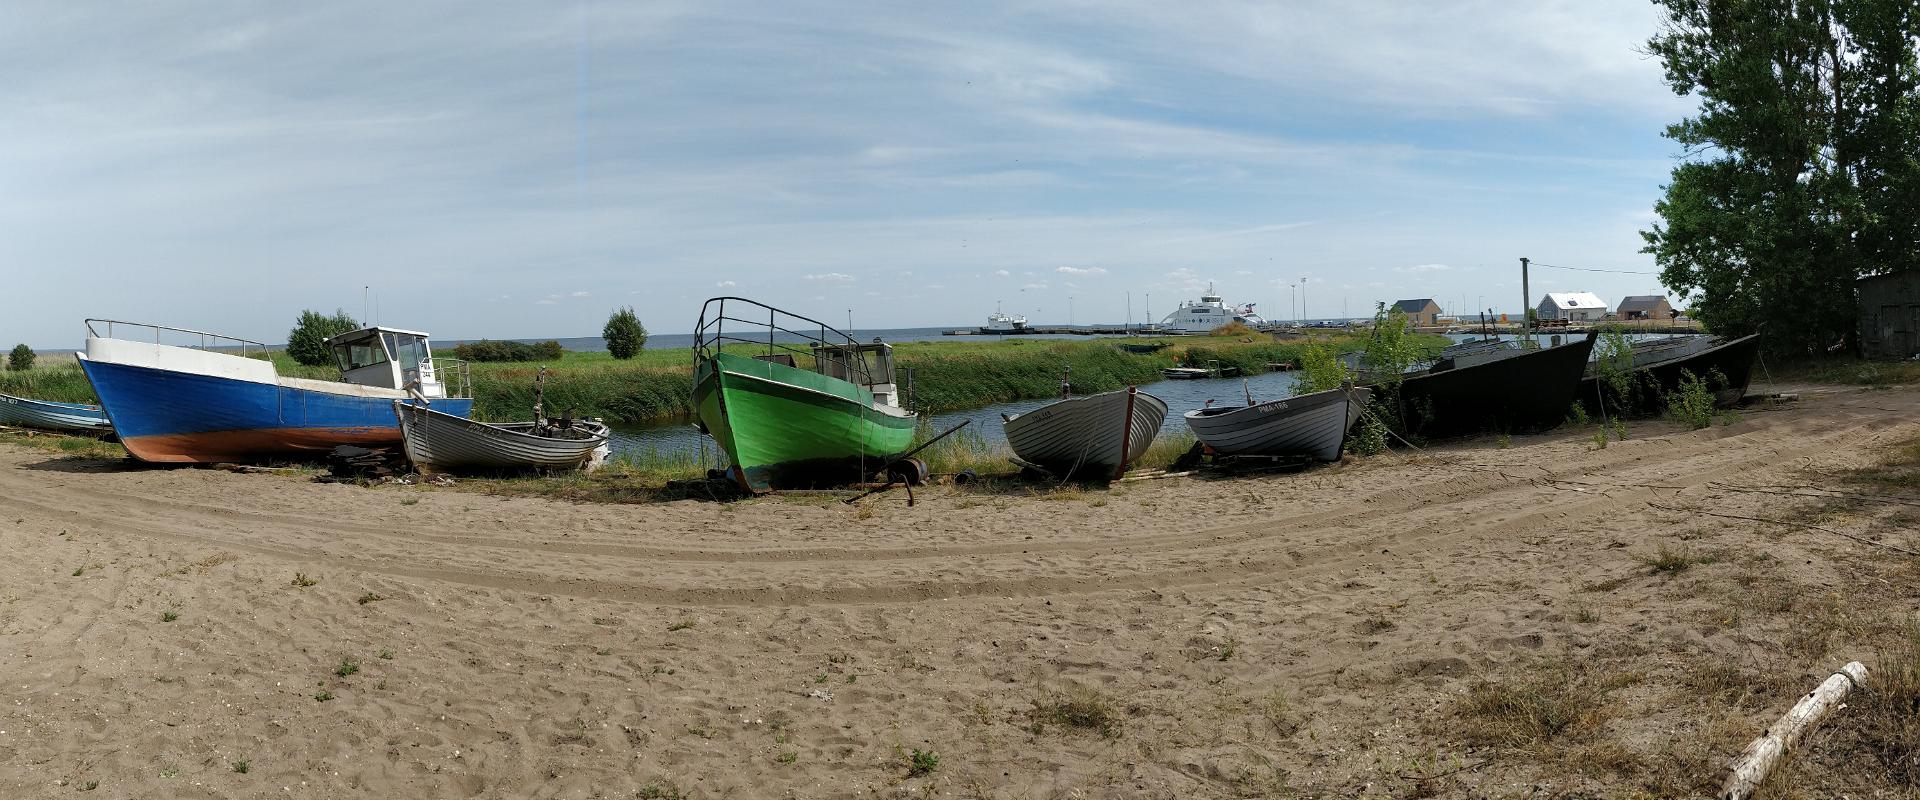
[517,170]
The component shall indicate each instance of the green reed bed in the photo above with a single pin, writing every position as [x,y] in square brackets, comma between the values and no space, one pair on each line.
[54,378]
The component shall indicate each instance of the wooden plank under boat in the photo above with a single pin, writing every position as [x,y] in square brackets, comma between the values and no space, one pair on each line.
[27,412]
[1653,378]
[1307,425]
[1528,392]
[447,442]
[1094,436]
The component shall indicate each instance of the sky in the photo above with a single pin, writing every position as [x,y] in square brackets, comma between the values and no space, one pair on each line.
[514,170]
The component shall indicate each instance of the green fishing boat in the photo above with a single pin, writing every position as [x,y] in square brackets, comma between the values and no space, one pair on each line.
[793,402]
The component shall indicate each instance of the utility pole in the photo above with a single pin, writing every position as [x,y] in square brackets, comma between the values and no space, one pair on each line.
[1293,303]
[1526,303]
[1303,299]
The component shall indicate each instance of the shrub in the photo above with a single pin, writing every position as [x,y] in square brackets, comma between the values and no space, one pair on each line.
[491,350]
[1692,404]
[624,334]
[1320,369]
[305,343]
[21,359]
[1234,328]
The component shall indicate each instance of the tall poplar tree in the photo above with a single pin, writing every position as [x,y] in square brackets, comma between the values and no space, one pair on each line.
[1801,171]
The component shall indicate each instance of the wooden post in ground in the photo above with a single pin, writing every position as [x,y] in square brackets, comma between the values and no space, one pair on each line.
[1766,753]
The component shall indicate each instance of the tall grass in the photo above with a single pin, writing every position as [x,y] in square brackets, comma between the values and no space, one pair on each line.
[56,378]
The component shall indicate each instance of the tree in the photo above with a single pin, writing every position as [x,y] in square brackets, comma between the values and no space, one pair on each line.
[21,359]
[1800,172]
[304,342]
[624,334]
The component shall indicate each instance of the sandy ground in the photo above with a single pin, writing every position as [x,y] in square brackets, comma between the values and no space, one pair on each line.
[1258,636]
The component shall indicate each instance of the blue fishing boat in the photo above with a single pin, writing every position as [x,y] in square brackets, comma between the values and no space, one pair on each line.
[221,400]
[27,412]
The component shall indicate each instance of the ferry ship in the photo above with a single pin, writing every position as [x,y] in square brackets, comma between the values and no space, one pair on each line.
[1210,311]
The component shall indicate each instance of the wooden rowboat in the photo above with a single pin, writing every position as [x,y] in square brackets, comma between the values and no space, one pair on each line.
[1308,425]
[1528,392]
[1093,436]
[447,442]
[48,415]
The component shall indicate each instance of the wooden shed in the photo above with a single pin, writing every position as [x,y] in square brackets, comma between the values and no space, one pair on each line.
[1890,315]
[1645,306]
[1421,313]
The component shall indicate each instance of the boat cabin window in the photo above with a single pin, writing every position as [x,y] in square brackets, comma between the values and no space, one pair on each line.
[407,349]
[357,355]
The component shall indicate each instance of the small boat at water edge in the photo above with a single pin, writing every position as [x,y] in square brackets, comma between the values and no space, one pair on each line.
[826,413]
[1211,370]
[436,440]
[1094,436]
[216,403]
[1307,425]
[27,412]
[1527,392]
[1657,368]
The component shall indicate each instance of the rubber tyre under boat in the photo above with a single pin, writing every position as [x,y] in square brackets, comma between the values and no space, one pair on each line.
[1526,393]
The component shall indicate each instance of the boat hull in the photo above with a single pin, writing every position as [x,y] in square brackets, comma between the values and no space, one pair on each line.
[48,415]
[786,427]
[1093,436]
[447,442]
[1649,384]
[1309,425]
[169,416]
[1525,393]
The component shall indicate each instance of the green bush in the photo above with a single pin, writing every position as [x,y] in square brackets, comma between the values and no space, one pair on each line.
[306,342]
[494,350]
[1692,404]
[625,336]
[21,359]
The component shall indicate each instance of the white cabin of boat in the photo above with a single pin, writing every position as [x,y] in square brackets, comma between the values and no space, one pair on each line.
[389,358]
[868,365]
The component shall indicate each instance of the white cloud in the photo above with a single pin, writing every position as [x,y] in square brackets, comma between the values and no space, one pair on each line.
[1040,285]
[831,277]
[726,284]
[1423,268]
[1002,273]
[582,294]
[1082,270]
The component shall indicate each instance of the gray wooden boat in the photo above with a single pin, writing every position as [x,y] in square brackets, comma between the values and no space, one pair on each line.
[436,440]
[1308,425]
[1095,436]
[48,415]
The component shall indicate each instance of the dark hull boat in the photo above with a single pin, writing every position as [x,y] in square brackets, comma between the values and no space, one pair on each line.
[1525,393]
[1726,366]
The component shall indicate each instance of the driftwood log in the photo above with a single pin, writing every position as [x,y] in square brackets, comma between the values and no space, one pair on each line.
[1784,735]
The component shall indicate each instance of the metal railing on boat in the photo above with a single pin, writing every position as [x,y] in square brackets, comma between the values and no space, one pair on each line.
[710,336]
[207,340]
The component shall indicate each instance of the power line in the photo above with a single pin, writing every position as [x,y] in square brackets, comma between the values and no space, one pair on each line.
[1596,269]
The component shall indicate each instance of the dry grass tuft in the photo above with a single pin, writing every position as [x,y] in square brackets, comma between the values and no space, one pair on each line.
[1080,709]
[1530,708]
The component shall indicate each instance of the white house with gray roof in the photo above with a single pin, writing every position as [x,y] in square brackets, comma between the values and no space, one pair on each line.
[1573,307]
